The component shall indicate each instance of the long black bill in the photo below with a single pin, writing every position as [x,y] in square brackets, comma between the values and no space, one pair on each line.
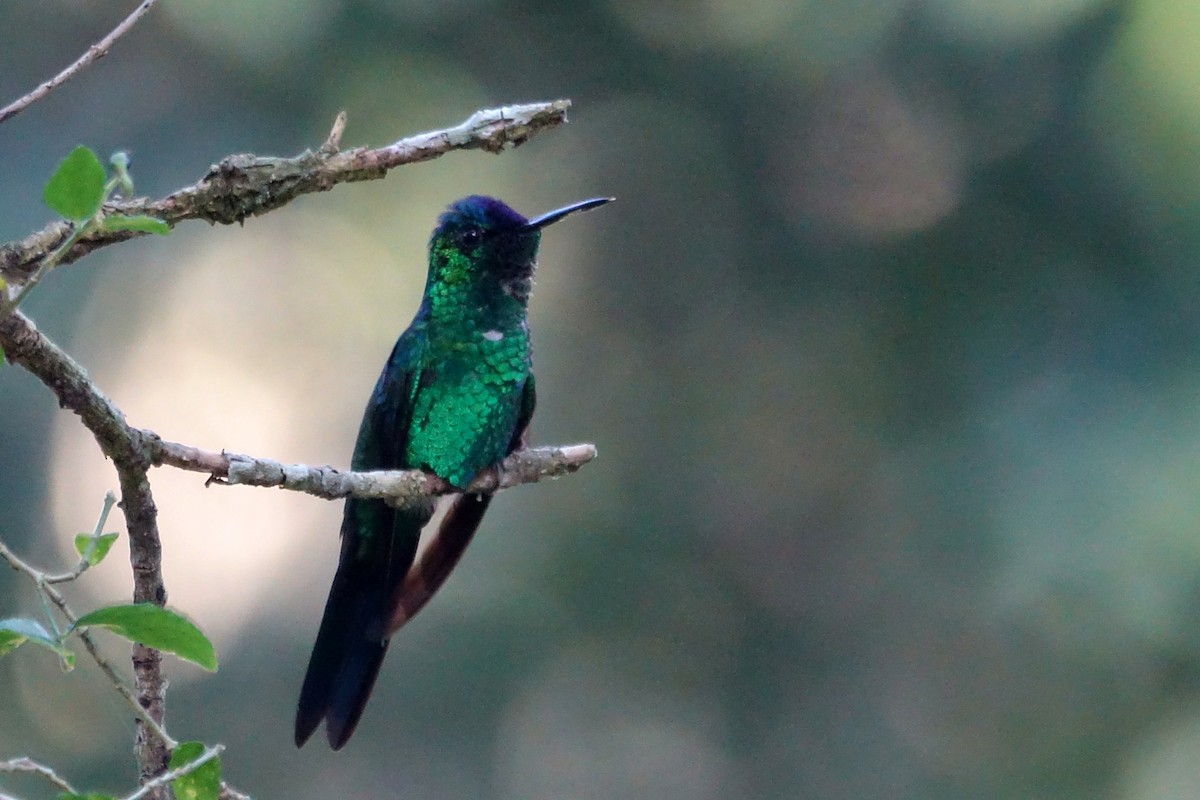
[551,217]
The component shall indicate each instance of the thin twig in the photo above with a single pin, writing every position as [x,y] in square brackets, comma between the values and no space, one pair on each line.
[242,186]
[229,793]
[110,500]
[162,780]
[94,53]
[25,764]
[89,644]
[333,142]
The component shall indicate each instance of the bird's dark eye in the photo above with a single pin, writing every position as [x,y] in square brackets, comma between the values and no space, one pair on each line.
[469,237]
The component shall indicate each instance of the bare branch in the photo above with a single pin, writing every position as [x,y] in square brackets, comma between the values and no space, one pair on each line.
[398,487]
[151,747]
[94,53]
[246,185]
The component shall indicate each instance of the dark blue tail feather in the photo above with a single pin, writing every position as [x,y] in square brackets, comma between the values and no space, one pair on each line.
[353,636]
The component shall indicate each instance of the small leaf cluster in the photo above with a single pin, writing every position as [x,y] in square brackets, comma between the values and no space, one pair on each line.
[194,772]
[77,190]
[146,623]
[80,185]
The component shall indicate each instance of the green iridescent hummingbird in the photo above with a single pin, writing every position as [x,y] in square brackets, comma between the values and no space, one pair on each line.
[455,397]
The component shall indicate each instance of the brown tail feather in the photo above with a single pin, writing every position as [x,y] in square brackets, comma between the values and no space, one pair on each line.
[439,558]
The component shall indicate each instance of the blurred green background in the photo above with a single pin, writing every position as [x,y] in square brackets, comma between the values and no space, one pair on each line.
[889,348]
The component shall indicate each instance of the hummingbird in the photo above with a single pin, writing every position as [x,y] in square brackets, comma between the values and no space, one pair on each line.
[455,397]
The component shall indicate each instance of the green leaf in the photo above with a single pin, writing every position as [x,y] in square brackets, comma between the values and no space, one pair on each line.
[202,783]
[155,627]
[88,796]
[76,189]
[93,549]
[140,223]
[16,631]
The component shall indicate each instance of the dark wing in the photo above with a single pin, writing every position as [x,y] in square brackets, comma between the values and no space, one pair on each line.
[383,434]
[379,543]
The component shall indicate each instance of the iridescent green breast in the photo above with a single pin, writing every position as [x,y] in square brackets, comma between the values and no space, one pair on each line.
[468,401]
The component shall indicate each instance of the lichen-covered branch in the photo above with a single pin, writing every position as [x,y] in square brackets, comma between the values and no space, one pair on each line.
[242,186]
[398,487]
